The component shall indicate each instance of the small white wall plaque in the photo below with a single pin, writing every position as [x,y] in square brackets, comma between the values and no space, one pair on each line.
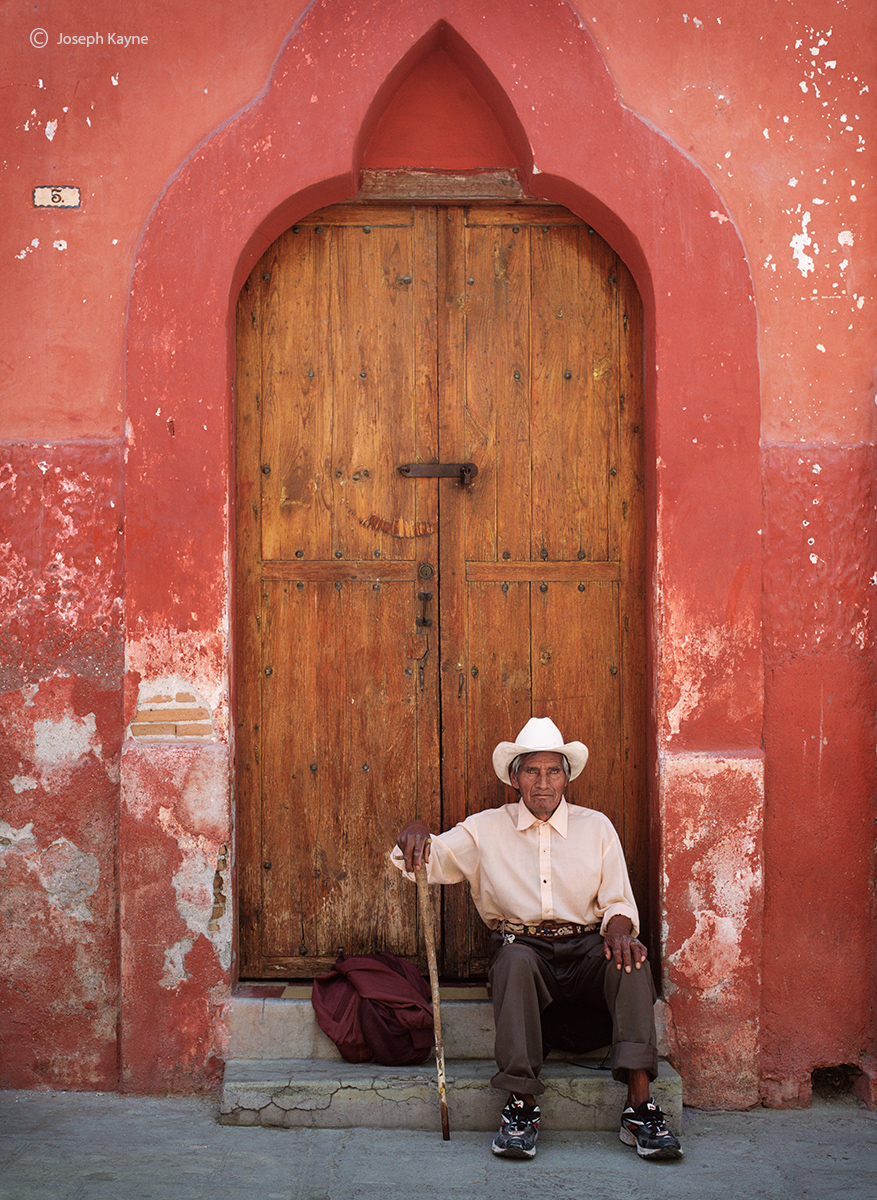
[56,197]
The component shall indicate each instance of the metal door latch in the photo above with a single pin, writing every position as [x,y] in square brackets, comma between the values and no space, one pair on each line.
[465,472]
[424,598]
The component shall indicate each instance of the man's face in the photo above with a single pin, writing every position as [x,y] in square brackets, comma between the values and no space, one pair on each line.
[541,780]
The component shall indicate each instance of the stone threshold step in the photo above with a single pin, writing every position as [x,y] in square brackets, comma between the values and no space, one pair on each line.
[264,1027]
[319,1094]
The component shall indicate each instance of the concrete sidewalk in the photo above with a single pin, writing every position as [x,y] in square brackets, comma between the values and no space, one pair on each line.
[69,1146]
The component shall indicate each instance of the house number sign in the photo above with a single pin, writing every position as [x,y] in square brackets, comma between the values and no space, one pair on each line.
[56,197]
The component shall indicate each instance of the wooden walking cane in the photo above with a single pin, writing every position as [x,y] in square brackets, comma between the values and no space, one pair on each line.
[429,937]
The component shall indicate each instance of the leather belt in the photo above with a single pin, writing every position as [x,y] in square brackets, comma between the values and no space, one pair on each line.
[546,929]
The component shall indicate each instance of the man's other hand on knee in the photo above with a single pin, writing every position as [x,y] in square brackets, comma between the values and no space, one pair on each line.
[620,945]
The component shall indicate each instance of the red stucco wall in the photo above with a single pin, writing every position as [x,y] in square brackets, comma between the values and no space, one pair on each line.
[749,125]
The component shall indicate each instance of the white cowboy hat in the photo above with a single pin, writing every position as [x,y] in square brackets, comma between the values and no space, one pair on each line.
[540,733]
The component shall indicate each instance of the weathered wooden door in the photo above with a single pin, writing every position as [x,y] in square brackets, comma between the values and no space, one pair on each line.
[392,627]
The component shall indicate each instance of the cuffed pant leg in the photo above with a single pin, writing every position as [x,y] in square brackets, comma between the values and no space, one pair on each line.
[630,999]
[520,992]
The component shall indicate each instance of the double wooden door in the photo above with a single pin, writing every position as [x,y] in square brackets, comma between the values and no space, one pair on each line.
[393,625]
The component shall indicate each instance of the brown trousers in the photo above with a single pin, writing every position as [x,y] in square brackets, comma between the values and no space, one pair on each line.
[528,974]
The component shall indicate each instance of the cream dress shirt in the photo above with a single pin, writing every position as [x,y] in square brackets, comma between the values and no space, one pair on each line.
[568,868]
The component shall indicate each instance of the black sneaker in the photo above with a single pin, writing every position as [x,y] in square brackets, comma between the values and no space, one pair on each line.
[518,1130]
[645,1128]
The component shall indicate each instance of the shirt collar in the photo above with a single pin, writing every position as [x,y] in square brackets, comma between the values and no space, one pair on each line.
[559,819]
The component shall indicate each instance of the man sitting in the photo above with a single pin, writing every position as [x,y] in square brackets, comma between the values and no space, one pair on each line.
[550,881]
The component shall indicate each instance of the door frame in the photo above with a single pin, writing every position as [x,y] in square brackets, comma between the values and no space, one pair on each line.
[296,148]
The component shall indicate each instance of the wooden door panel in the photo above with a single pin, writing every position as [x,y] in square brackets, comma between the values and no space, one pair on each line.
[341,728]
[373,359]
[575,373]
[331,486]
[492,273]
[295,455]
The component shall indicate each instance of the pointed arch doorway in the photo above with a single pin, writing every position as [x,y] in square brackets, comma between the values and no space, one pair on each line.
[282,157]
[392,626]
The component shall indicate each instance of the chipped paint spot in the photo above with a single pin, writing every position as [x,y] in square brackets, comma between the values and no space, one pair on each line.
[175,964]
[29,249]
[51,129]
[711,956]
[23,783]
[720,217]
[60,245]
[798,242]
[69,876]
[21,839]
[59,743]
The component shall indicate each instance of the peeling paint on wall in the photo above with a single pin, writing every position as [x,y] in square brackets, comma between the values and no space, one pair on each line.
[712,886]
[195,886]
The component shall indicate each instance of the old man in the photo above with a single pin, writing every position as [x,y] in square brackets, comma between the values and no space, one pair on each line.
[550,881]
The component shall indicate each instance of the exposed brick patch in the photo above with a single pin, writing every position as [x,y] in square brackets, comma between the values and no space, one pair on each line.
[178,717]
